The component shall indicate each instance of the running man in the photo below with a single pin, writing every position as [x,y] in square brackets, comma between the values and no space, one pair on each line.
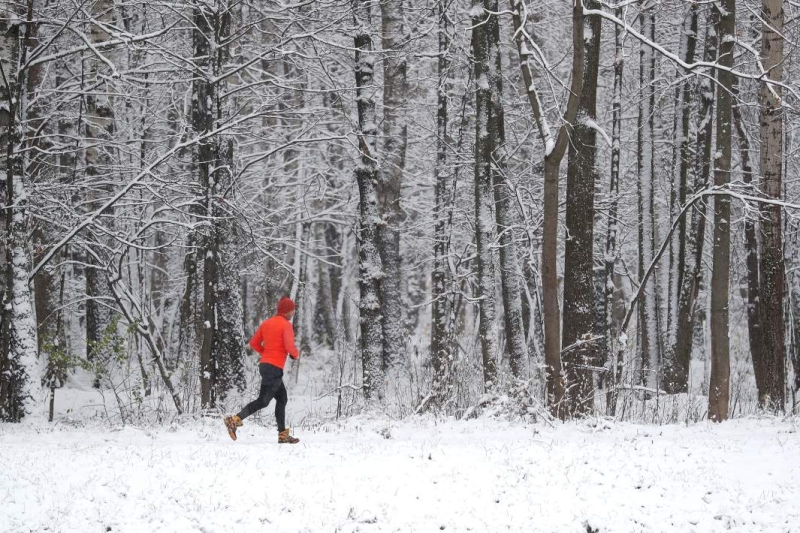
[274,339]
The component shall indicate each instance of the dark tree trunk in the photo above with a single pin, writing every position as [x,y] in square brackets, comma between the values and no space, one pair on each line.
[693,273]
[751,246]
[682,162]
[580,351]
[771,267]
[441,350]
[719,386]
[606,286]
[510,271]
[484,195]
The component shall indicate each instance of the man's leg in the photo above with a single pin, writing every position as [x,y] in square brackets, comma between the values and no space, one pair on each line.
[271,379]
[281,399]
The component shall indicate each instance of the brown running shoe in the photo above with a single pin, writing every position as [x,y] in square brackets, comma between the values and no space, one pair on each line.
[285,438]
[231,423]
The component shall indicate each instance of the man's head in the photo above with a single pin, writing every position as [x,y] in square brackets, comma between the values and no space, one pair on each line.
[286,307]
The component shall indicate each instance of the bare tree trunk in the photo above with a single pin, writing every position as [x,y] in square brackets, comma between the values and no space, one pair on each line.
[484,220]
[390,180]
[510,271]
[99,129]
[648,312]
[203,97]
[555,147]
[691,278]
[771,268]
[441,351]
[19,376]
[370,265]
[682,162]
[751,246]
[606,327]
[719,386]
[579,296]
[325,302]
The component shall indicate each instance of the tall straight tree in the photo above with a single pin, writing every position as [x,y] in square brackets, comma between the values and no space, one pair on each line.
[648,312]
[605,308]
[693,268]
[719,386]
[222,335]
[390,179]
[754,324]
[770,377]
[370,266]
[19,378]
[99,131]
[580,351]
[681,165]
[441,349]
[554,149]
[483,192]
[510,272]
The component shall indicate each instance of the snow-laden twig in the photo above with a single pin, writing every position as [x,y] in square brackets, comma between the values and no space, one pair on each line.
[94,215]
[711,191]
[763,77]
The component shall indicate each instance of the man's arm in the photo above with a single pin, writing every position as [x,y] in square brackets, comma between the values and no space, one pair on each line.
[288,341]
[256,343]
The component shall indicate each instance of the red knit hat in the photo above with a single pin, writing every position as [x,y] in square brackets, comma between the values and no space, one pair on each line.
[286,305]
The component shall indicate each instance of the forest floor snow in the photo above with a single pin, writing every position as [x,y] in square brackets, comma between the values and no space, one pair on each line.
[419,475]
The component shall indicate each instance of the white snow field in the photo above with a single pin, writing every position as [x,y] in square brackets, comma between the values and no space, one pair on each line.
[417,475]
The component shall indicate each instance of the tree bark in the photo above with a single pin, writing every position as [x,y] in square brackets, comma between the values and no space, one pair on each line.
[692,275]
[554,148]
[484,195]
[649,357]
[441,351]
[370,265]
[606,327]
[682,162]
[771,267]
[754,323]
[719,386]
[99,130]
[510,271]
[390,181]
[579,295]
[19,374]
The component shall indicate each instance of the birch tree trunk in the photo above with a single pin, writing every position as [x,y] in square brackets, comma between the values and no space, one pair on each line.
[719,386]
[771,268]
[579,296]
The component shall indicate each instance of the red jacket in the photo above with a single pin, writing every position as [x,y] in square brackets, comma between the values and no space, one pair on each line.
[274,339]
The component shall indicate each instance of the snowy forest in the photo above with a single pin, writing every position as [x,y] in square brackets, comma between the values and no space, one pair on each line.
[561,209]
[540,259]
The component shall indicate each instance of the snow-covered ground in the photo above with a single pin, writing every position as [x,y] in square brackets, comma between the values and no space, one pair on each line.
[418,475]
